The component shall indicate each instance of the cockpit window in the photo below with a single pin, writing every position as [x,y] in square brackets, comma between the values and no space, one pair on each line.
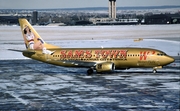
[161,54]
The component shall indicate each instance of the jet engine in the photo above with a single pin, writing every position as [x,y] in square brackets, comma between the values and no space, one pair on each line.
[105,67]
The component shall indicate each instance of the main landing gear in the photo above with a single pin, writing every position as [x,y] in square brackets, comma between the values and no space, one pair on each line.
[89,71]
[154,71]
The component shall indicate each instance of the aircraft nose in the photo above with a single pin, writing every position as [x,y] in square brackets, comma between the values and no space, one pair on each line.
[169,59]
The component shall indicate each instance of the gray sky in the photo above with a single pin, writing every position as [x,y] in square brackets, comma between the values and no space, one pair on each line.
[39,4]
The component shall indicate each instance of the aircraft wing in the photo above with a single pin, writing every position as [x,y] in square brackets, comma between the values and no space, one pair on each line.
[79,63]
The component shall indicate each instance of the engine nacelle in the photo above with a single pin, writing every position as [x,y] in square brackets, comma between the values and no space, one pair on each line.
[105,67]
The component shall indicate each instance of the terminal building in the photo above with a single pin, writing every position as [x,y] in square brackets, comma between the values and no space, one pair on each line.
[12,19]
[112,20]
[163,19]
[35,18]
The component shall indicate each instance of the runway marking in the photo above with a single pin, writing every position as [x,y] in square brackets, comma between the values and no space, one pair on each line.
[17,97]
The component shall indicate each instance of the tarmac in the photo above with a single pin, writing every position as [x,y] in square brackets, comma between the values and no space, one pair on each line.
[31,85]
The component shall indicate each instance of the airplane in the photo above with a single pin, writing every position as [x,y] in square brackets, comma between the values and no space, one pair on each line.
[99,59]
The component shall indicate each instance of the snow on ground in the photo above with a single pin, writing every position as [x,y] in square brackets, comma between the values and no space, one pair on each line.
[95,36]
[169,47]
[31,87]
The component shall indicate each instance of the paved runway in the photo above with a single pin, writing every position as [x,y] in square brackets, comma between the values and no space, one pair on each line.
[31,85]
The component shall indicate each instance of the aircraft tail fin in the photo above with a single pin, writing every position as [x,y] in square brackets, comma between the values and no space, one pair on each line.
[31,38]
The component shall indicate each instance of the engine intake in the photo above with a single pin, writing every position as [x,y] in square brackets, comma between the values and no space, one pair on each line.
[105,67]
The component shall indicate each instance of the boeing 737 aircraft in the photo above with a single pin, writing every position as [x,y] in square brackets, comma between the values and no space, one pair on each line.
[99,59]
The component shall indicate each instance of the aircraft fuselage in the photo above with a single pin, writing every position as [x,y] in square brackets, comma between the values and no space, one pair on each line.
[123,58]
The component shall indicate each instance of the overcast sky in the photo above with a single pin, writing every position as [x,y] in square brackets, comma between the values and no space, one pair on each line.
[41,4]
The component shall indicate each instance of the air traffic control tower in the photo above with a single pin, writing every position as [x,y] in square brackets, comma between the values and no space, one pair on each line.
[112,9]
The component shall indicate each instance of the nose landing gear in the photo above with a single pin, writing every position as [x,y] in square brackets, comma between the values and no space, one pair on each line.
[154,71]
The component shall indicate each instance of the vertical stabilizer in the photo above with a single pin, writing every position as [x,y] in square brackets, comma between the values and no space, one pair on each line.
[31,38]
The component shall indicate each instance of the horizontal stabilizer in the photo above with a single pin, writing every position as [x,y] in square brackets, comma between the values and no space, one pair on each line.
[25,51]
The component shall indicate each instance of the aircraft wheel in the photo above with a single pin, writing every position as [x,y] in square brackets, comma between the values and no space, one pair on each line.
[154,71]
[89,72]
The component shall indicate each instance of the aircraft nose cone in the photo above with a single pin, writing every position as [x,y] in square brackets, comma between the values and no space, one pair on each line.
[170,59]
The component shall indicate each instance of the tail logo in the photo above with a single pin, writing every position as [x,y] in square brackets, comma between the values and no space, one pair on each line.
[32,39]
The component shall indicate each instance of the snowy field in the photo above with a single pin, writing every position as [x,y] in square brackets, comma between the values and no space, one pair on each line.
[162,37]
[27,84]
